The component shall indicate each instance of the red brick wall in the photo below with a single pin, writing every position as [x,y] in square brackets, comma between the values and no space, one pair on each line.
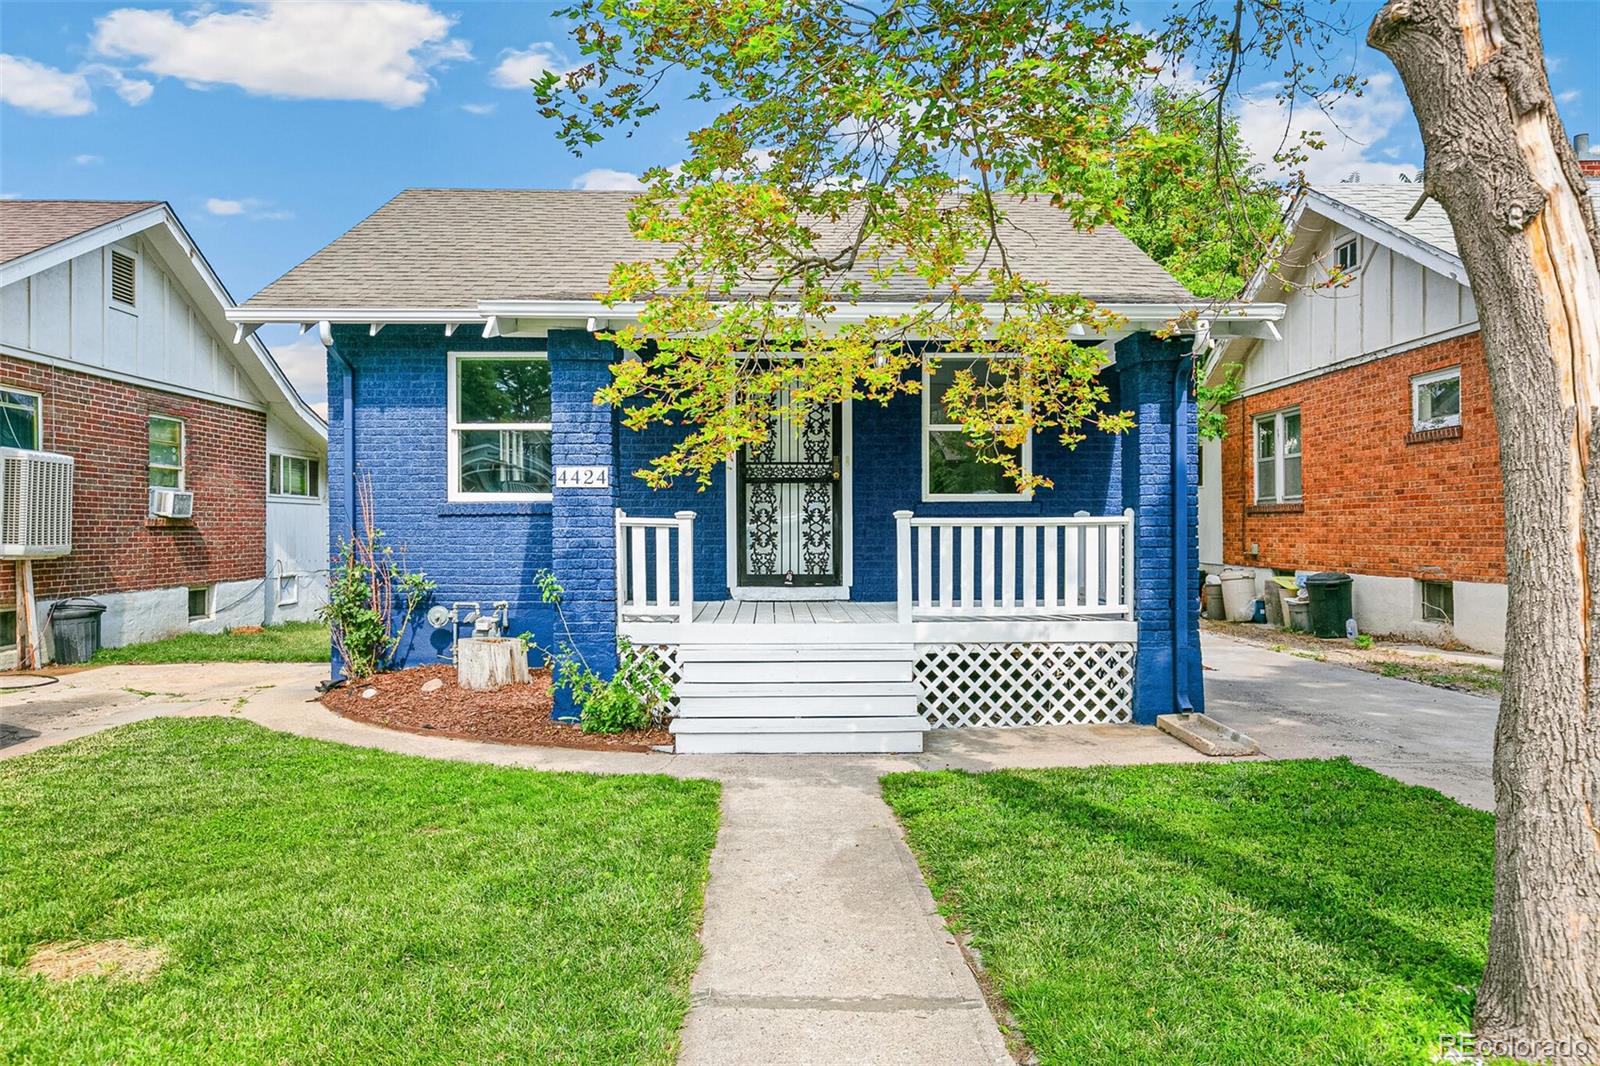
[102,424]
[1374,503]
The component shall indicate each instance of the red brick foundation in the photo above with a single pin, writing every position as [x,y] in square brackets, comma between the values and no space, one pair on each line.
[1378,498]
[103,425]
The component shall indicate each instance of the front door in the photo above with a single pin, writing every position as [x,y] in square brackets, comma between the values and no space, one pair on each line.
[789,496]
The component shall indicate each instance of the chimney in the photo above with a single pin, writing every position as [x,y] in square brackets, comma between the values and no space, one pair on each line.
[1588,158]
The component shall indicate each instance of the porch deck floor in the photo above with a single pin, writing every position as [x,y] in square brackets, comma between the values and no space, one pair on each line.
[847,612]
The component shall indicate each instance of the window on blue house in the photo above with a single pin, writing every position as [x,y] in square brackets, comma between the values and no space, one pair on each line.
[951,468]
[499,427]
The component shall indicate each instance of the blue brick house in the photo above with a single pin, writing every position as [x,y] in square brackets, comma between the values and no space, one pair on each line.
[845,586]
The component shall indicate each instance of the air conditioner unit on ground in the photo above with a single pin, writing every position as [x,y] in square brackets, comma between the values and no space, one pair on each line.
[35,504]
[171,503]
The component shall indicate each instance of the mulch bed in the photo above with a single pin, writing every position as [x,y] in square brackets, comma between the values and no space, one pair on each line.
[515,714]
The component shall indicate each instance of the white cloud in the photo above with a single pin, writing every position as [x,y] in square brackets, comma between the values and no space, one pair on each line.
[478,109]
[1570,96]
[518,69]
[601,179]
[43,90]
[249,207]
[1352,126]
[134,91]
[305,362]
[84,159]
[381,51]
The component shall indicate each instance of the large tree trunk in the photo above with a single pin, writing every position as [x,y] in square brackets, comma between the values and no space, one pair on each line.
[1499,163]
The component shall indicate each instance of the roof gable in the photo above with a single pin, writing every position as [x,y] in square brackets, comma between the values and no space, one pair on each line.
[28,226]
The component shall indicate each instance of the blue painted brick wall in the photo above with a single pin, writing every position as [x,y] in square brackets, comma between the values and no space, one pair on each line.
[710,507]
[1146,366]
[583,521]
[473,551]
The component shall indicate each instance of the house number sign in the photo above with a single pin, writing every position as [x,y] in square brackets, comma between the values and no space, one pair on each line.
[583,477]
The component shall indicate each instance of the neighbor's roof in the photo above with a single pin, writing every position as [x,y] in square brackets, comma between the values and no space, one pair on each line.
[452,248]
[30,225]
[1388,205]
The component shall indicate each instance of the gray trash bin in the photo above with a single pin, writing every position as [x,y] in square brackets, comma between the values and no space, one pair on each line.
[75,627]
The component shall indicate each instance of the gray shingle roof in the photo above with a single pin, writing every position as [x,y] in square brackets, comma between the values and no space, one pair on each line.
[1389,204]
[451,248]
[29,225]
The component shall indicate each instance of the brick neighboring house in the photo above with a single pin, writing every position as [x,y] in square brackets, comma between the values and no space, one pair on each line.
[115,350]
[1364,440]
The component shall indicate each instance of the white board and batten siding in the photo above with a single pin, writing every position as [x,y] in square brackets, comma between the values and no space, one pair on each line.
[65,314]
[1391,302]
[297,535]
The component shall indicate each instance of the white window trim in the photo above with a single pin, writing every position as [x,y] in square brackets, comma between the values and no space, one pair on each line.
[1417,423]
[138,279]
[1276,418]
[454,492]
[1339,245]
[183,452]
[211,603]
[38,412]
[929,427]
[294,588]
[289,497]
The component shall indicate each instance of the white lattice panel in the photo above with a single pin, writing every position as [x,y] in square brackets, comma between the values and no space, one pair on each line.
[1025,684]
[647,669]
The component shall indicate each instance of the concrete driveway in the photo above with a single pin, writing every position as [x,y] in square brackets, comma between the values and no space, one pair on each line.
[1300,708]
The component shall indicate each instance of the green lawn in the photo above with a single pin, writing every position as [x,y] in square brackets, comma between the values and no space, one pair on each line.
[292,642]
[331,904]
[1261,912]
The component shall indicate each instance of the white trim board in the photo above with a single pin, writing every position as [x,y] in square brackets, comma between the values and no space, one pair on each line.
[1366,357]
[453,490]
[30,356]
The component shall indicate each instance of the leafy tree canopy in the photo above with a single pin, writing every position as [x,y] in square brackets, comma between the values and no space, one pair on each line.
[856,146]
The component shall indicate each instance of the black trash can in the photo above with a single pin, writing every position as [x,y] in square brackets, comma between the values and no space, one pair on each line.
[1330,603]
[75,627]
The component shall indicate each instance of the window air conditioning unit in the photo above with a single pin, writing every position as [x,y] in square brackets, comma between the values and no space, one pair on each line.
[171,503]
[35,504]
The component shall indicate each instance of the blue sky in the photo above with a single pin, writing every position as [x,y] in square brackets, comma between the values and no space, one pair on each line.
[273,127]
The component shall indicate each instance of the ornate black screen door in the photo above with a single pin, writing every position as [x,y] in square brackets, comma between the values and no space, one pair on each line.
[789,496]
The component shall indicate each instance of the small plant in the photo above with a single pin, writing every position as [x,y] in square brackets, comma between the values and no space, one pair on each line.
[623,702]
[1364,641]
[364,586]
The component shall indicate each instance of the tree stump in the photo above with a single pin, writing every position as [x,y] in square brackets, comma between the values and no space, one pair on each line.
[490,662]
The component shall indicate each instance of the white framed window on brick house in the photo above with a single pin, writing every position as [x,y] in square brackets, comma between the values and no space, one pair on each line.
[202,602]
[1436,399]
[1277,453]
[1438,601]
[288,588]
[166,452]
[951,469]
[21,418]
[499,426]
[122,279]
[294,477]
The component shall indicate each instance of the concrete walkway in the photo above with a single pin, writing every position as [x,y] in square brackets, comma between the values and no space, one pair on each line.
[822,944]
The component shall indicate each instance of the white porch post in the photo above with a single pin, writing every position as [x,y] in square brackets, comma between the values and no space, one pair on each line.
[1127,560]
[902,556]
[685,565]
[622,564]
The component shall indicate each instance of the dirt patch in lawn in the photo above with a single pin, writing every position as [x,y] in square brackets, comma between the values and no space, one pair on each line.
[514,714]
[124,960]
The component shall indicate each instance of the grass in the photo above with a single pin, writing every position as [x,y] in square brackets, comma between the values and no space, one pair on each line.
[291,642]
[1467,677]
[330,904]
[1261,912]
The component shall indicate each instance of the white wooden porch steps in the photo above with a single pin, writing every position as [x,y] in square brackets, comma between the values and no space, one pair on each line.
[822,697]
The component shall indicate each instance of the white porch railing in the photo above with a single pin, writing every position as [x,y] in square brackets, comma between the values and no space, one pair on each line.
[1013,567]
[647,556]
